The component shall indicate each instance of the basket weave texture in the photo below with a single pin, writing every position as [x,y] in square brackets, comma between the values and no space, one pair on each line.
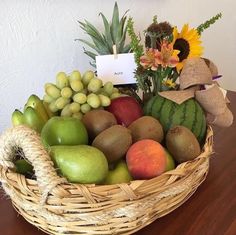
[58,207]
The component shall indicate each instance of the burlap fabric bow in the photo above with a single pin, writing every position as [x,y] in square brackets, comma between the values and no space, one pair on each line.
[196,80]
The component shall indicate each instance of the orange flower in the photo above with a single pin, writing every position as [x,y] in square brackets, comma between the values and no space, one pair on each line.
[153,58]
[168,56]
[150,59]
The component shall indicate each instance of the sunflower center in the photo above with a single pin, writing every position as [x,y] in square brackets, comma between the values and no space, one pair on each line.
[183,46]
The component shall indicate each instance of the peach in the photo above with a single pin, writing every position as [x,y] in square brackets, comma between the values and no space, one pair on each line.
[146,159]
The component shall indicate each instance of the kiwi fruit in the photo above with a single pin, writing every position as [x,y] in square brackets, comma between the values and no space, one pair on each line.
[146,127]
[113,142]
[97,121]
[182,144]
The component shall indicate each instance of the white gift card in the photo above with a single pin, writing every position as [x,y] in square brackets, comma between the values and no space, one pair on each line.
[118,68]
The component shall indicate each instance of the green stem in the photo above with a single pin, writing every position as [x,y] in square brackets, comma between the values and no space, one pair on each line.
[154,91]
[157,80]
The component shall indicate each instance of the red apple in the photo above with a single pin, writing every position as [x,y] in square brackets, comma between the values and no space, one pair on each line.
[126,109]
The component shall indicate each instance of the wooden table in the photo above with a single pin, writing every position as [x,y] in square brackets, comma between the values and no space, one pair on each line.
[210,211]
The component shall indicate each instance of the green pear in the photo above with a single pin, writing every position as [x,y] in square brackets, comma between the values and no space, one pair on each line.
[170,163]
[120,174]
[80,163]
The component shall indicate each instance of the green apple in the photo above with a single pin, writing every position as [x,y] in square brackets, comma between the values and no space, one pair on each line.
[80,164]
[120,174]
[170,163]
[64,131]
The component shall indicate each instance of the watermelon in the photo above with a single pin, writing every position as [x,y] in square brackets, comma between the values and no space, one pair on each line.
[188,114]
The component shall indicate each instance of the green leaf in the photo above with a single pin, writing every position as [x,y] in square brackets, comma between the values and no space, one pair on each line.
[101,47]
[121,43]
[100,50]
[90,54]
[91,32]
[93,29]
[93,63]
[107,45]
[107,35]
[100,44]
[120,31]
[115,22]
[88,43]
[127,48]
[94,34]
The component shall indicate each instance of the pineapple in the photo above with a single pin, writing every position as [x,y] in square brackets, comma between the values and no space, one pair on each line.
[114,34]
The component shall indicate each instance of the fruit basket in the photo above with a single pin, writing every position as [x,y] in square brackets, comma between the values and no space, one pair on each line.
[83,128]
[57,207]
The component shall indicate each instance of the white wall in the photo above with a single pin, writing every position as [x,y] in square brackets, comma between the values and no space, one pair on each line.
[37,39]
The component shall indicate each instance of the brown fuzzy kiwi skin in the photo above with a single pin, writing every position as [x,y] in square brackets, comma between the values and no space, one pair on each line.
[146,127]
[114,142]
[97,121]
[182,144]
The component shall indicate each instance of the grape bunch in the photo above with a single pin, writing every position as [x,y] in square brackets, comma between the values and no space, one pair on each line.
[75,95]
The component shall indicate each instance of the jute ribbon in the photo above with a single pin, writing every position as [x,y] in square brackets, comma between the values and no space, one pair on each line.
[198,72]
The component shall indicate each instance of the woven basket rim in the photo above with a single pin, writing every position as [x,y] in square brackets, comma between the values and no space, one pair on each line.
[206,152]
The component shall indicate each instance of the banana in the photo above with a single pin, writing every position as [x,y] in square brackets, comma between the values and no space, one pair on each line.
[17,118]
[33,119]
[35,102]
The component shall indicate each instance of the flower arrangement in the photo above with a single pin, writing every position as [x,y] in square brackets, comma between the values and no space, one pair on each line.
[166,50]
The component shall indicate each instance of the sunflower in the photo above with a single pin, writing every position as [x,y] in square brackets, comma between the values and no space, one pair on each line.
[188,43]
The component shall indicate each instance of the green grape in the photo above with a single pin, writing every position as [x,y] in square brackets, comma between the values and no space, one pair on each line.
[94,85]
[84,91]
[47,85]
[65,112]
[108,88]
[62,80]
[52,106]
[48,98]
[102,92]
[75,75]
[78,115]
[105,101]
[74,107]
[80,98]
[84,108]
[66,92]
[115,90]
[76,85]
[53,91]
[115,95]
[61,102]
[88,75]
[93,100]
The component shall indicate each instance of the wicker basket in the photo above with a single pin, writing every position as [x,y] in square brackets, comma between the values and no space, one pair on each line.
[58,207]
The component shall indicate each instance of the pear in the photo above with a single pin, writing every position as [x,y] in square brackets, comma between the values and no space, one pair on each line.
[120,174]
[80,163]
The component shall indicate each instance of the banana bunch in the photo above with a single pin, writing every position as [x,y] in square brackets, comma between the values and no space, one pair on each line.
[36,114]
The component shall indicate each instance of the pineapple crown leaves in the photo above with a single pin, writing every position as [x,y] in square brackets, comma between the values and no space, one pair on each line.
[114,34]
